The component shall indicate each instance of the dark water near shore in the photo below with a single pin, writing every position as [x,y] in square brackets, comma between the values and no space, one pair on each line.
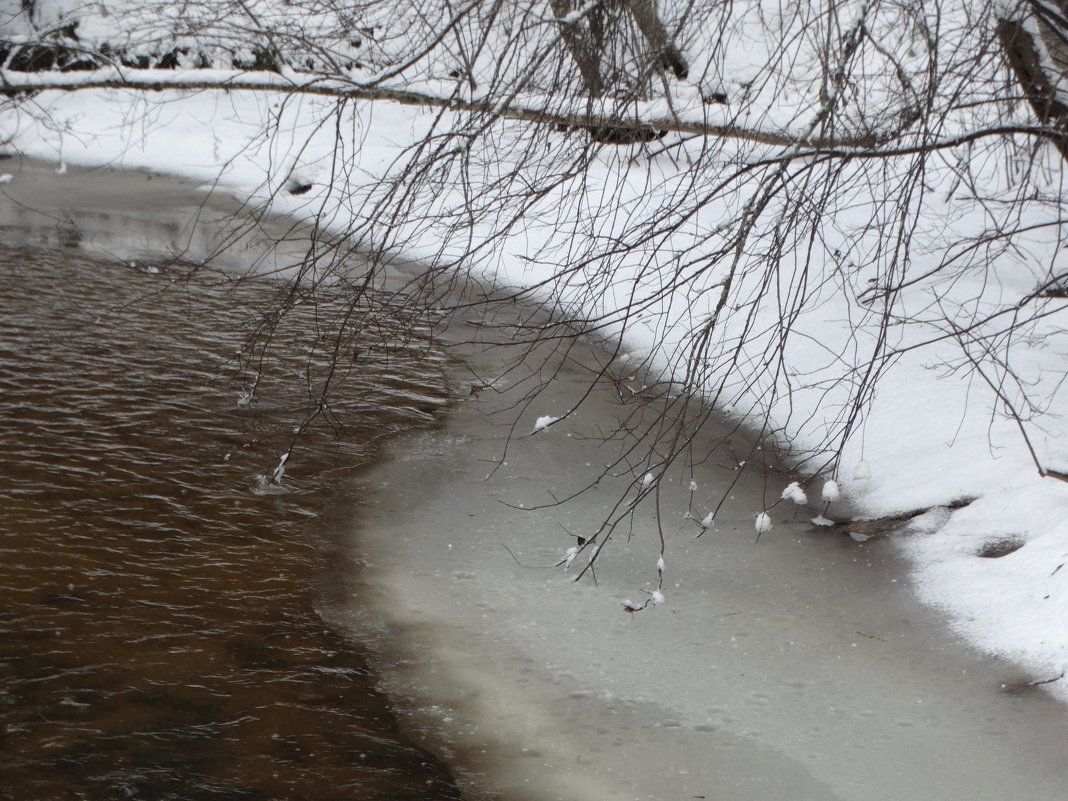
[158,589]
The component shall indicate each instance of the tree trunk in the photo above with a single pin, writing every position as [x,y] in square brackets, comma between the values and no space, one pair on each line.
[1023,55]
[585,53]
[648,22]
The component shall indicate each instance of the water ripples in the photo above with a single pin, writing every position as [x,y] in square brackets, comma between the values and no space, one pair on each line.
[157,587]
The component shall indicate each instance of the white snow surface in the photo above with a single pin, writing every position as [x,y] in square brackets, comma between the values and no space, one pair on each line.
[933,434]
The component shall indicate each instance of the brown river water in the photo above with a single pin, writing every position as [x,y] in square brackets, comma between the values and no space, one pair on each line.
[159,634]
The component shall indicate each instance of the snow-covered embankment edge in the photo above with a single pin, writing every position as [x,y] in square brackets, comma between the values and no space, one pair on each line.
[928,440]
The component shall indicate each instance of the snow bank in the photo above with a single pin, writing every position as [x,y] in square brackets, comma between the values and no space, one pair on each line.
[933,433]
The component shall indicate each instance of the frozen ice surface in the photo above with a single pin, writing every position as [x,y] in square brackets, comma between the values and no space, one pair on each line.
[800,667]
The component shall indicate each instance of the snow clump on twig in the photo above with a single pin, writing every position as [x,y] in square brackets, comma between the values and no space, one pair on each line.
[762,523]
[793,492]
[543,423]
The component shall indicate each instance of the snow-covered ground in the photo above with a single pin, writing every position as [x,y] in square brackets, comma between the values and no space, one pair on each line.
[934,432]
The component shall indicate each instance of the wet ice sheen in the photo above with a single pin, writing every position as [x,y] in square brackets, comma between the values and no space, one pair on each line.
[799,668]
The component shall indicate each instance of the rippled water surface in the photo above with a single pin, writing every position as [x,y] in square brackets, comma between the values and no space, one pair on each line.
[158,632]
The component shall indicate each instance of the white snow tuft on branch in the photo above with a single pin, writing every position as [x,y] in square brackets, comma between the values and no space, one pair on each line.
[762,523]
[280,471]
[569,556]
[543,423]
[793,492]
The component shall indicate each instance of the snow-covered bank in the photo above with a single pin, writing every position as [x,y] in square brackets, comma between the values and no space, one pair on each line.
[931,437]
[885,315]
